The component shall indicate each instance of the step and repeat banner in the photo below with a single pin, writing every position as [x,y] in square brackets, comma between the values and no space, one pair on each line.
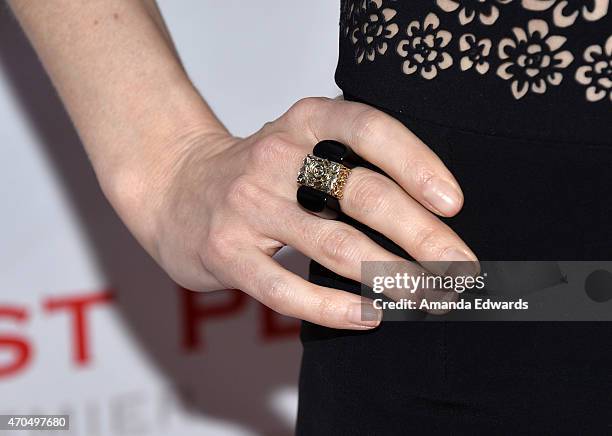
[89,325]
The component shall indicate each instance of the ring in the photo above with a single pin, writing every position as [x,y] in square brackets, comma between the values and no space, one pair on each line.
[338,152]
[319,203]
[323,175]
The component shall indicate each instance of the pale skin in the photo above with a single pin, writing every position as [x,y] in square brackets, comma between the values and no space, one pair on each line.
[212,209]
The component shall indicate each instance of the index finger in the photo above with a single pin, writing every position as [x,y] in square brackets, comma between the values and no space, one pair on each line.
[385,142]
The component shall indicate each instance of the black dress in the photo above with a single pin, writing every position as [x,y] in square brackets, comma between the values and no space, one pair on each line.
[515,96]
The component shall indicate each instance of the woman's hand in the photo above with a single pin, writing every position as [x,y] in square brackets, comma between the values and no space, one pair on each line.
[213,209]
[228,205]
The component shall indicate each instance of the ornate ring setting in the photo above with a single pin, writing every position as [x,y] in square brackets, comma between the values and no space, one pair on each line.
[323,175]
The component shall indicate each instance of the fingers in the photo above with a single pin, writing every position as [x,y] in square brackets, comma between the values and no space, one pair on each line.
[372,199]
[264,279]
[381,204]
[338,246]
[342,249]
[406,281]
[385,142]
[238,255]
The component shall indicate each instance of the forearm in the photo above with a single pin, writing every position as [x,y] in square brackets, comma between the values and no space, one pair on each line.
[116,70]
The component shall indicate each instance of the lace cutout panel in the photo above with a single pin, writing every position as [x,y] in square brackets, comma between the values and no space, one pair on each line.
[530,56]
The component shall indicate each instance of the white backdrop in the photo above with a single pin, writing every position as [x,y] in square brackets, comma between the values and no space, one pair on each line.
[88,324]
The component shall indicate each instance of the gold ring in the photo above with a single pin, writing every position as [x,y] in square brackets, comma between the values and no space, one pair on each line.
[324,175]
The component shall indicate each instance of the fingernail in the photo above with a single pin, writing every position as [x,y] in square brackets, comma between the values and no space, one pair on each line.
[364,314]
[443,196]
[462,263]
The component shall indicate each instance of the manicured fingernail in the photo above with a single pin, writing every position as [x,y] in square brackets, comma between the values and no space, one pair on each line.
[443,196]
[461,263]
[364,314]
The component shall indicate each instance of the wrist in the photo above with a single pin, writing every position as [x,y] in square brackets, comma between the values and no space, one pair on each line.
[136,187]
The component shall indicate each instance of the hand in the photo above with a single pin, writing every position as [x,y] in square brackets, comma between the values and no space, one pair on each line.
[230,205]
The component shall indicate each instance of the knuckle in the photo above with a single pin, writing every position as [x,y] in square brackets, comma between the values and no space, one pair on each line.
[276,294]
[339,245]
[242,193]
[368,123]
[370,193]
[303,111]
[326,308]
[422,174]
[271,148]
[220,245]
[427,240]
[306,106]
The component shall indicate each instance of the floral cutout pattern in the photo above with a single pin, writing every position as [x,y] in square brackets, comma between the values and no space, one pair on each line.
[532,59]
[476,53]
[347,17]
[486,10]
[370,26]
[565,12]
[424,48]
[596,74]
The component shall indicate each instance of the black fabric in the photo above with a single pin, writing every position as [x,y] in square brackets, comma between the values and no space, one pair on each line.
[536,188]
[476,102]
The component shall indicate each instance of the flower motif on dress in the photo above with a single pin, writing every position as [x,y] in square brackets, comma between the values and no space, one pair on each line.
[596,73]
[565,12]
[347,16]
[532,59]
[476,53]
[424,48]
[372,28]
[487,10]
